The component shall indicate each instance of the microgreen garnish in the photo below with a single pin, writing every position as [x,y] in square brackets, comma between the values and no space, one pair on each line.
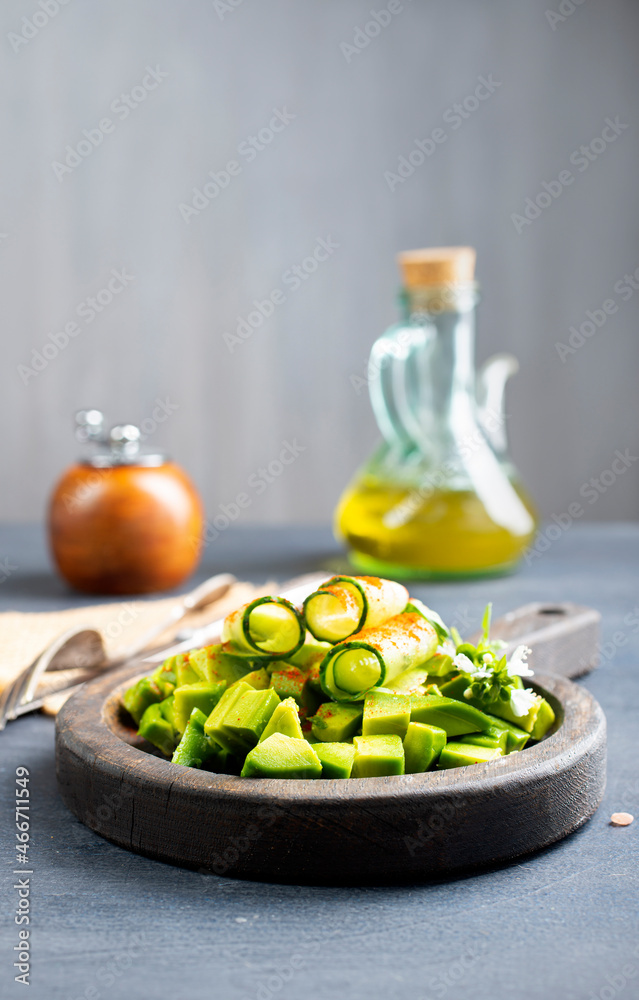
[491,677]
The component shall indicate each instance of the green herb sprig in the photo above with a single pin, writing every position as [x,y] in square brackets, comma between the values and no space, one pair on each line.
[491,677]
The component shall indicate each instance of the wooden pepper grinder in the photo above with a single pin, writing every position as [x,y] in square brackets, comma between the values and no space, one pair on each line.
[123,521]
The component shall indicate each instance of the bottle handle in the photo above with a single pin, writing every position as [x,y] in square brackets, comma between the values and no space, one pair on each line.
[490,389]
[389,384]
[386,385]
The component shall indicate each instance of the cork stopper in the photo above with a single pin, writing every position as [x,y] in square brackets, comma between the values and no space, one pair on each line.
[437,267]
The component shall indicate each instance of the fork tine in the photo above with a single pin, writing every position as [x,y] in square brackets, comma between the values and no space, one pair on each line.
[23,687]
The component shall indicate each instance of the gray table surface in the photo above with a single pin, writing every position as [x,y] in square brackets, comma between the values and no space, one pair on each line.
[559,924]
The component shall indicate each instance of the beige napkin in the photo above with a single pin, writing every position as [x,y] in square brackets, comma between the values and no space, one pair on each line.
[23,636]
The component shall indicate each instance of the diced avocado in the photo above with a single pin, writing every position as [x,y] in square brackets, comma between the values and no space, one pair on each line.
[258,679]
[164,677]
[139,696]
[516,738]
[336,758]
[455,688]
[201,662]
[504,710]
[291,682]
[492,737]
[376,756]
[422,746]
[184,672]
[456,717]
[462,754]
[213,727]
[336,722]
[285,719]
[227,666]
[544,720]
[166,708]
[246,719]
[306,723]
[313,681]
[433,689]
[155,728]
[385,713]
[282,756]
[439,665]
[194,747]
[202,695]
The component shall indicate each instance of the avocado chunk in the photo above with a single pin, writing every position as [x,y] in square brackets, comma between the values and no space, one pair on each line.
[291,682]
[164,677]
[462,754]
[504,710]
[336,722]
[202,695]
[516,738]
[258,679]
[185,673]
[433,689]
[456,717]
[422,746]
[455,687]
[336,758]
[155,728]
[166,708]
[246,719]
[213,727]
[213,663]
[376,756]
[492,737]
[544,720]
[139,696]
[285,719]
[201,662]
[282,756]
[385,713]
[194,748]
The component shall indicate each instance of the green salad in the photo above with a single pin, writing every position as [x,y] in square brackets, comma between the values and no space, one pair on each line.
[361,682]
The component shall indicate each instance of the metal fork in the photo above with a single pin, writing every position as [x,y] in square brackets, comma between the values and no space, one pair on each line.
[82,651]
[86,644]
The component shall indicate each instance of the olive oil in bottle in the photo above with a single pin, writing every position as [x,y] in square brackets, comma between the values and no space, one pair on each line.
[440,497]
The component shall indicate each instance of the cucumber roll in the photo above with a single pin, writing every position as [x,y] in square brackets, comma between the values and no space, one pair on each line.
[268,628]
[345,605]
[375,656]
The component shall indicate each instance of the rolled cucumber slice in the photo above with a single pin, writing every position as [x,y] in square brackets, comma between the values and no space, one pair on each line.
[345,605]
[375,656]
[270,627]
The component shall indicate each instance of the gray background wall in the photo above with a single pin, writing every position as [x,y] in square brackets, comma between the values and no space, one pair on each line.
[322,176]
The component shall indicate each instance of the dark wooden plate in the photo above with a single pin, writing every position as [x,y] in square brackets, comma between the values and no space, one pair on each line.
[366,830]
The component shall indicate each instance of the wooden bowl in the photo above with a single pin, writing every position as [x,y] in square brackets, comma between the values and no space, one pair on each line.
[365,830]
